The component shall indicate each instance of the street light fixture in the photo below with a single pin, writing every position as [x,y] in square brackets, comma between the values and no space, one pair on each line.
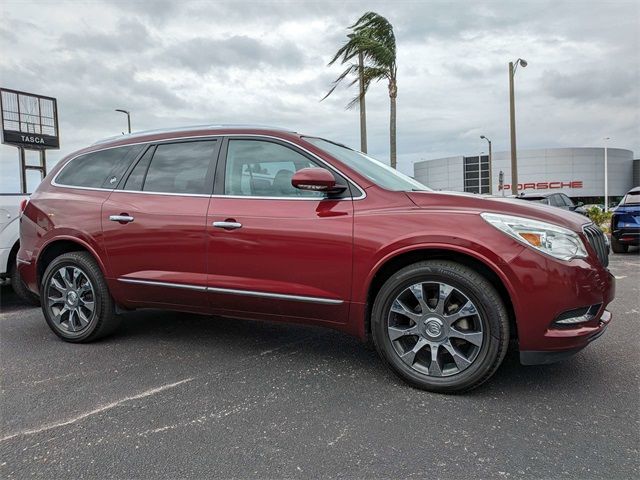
[127,113]
[512,116]
[490,165]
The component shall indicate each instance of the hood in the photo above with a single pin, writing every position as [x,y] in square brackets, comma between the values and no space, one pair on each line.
[456,201]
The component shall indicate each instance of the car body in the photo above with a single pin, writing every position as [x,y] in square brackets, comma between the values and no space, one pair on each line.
[274,225]
[10,241]
[625,222]
[554,199]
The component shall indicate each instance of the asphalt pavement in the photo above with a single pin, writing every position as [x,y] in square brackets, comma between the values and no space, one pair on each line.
[183,396]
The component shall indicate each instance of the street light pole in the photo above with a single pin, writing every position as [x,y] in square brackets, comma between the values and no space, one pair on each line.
[490,165]
[127,113]
[512,117]
[606,174]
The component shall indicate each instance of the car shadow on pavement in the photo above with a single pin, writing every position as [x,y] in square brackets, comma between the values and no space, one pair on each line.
[9,301]
[245,338]
[204,336]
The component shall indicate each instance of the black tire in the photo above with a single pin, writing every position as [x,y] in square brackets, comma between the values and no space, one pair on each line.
[103,319]
[618,247]
[492,316]
[20,289]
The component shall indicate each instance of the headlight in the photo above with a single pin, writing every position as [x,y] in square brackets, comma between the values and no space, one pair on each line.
[548,238]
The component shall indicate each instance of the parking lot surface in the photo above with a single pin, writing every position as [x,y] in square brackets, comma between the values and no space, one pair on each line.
[176,395]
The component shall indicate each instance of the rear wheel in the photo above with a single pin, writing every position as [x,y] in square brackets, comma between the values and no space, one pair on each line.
[440,326]
[75,299]
[618,247]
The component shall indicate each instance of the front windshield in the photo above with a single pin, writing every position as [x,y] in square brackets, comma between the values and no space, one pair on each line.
[376,171]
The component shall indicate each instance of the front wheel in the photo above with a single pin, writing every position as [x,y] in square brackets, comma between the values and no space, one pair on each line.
[75,299]
[440,326]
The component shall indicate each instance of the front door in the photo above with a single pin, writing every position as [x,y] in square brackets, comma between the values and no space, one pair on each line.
[275,251]
[155,225]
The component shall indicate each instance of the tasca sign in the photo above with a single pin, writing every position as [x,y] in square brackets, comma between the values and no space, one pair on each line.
[27,140]
[544,185]
[28,120]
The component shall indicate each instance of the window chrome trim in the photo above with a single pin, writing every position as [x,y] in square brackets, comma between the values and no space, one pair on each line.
[362,195]
[232,291]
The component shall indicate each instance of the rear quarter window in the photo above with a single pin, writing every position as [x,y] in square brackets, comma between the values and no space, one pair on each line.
[101,169]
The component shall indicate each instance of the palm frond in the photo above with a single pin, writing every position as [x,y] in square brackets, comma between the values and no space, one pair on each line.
[372,36]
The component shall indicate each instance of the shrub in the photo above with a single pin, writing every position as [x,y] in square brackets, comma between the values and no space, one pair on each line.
[599,217]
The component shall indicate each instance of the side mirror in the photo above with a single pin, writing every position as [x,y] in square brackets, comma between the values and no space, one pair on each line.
[580,204]
[316,180]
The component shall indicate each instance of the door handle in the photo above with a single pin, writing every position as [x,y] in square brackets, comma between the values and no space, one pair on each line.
[121,218]
[227,225]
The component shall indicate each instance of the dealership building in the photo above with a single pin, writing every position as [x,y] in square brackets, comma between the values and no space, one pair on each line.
[578,172]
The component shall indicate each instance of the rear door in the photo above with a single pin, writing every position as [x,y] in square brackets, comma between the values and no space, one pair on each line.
[154,225]
[274,250]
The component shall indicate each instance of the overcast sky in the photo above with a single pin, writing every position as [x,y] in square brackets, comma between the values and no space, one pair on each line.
[177,63]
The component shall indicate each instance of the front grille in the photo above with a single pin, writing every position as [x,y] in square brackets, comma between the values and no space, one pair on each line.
[599,243]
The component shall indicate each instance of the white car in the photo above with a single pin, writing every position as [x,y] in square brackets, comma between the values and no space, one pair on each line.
[10,242]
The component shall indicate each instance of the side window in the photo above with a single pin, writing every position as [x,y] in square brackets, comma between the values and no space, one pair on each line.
[101,169]
[264,169]
[136,177]
[179,168]
[556,201]
[567,201]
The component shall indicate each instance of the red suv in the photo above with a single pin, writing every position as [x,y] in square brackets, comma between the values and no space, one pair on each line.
[268,224]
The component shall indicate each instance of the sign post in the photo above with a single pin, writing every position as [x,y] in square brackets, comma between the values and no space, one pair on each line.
[29,122]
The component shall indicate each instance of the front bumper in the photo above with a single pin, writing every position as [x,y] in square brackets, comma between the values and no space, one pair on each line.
[542,357]
[548,290]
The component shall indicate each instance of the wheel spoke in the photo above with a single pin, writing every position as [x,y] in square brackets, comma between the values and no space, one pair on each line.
[61,312]
[434,366]
[399,307]
[55,300]
[468,309]
[443,295]
[55,283]
[88,305]
[398,332]
[65,277]
[71,322]
[472,337]
[462,362]
[76,277]
[418,292]
[82,318]
[409,356]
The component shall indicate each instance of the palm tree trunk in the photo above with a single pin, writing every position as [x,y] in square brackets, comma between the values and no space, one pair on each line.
[393,93]
[363,110]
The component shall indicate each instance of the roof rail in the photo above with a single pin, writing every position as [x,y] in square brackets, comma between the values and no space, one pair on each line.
[192,127]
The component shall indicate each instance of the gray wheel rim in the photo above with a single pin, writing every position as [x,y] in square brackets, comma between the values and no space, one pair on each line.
[435,329]
[71,299]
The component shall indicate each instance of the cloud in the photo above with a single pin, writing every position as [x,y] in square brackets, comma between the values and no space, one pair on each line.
[129,35]
[582,86]
[202,54]
[180,63]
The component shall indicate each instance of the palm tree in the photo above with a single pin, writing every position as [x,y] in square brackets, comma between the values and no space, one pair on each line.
[348,52]
[373,39]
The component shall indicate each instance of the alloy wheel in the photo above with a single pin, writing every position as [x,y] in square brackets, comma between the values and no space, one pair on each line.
[71,299]
[435,329]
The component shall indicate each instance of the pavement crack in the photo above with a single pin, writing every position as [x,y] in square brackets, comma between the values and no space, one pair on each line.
[95,411]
